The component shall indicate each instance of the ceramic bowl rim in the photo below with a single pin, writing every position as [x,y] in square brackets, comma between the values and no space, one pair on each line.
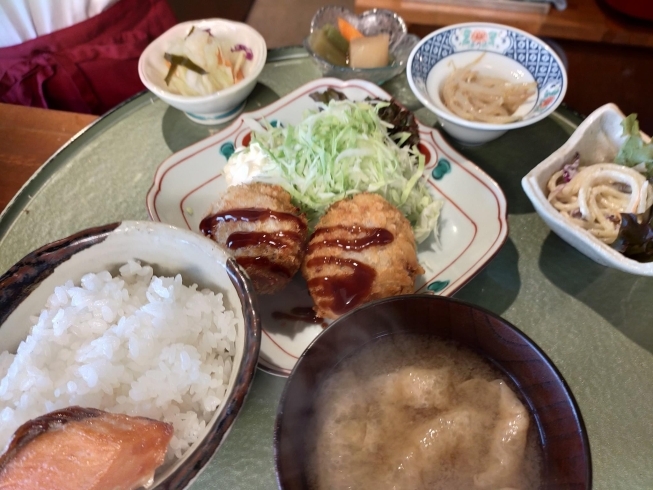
[253,75]
[453,119]
[583,434]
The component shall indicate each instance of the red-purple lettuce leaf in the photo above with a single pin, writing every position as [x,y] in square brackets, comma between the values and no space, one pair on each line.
[635,240]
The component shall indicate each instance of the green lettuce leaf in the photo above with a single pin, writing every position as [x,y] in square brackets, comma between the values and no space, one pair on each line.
[635,151]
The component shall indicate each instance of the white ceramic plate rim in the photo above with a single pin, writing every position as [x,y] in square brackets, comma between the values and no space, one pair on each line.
[584,241]
[433,139]
[479,125]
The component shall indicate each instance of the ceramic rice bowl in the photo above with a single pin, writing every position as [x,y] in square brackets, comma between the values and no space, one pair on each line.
[25,288]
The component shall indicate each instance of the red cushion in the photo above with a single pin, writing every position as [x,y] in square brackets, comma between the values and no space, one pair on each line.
[89,67]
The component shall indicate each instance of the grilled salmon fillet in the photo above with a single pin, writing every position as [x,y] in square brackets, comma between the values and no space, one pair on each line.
[84,449]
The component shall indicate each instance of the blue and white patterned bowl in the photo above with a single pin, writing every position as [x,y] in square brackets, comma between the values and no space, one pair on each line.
[509,53]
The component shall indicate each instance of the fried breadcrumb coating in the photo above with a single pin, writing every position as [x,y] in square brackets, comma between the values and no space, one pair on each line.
[263,230]
[362,249]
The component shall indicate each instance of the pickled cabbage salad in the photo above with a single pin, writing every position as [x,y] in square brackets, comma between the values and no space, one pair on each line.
[201,64]
[340,150]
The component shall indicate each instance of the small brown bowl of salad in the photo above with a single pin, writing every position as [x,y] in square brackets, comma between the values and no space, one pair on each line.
[373,46]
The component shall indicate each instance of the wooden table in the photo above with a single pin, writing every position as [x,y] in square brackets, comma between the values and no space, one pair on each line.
[29,137]
[582,20]
[610,56]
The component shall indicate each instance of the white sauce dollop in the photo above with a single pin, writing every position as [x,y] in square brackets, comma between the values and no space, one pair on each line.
[245,165]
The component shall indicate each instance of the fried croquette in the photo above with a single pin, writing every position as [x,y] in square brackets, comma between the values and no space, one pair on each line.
[264,231]
[362,249]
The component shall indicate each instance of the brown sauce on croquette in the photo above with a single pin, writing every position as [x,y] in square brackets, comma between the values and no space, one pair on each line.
[373,237]
[278,239]
[340,293]
[264,263]
[248,215]
[259,221]
[299,313]
[344,291]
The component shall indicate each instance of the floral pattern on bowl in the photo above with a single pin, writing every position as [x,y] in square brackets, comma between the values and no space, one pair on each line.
[474,38]
[372,22]
[538,59]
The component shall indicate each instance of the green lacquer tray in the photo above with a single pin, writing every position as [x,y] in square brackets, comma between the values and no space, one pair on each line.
[592,321]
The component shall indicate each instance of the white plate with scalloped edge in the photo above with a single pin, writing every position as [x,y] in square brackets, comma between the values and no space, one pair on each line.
[473,223]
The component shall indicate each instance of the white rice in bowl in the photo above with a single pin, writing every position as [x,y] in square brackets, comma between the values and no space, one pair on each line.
[136,344]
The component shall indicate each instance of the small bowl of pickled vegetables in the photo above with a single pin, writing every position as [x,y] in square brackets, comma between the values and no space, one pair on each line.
[373,46]
[206,68]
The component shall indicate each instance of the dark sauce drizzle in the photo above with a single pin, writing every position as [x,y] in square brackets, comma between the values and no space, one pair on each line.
[343,292]
[248,215]
[372,237]
[278,239]
[263,263]
[340,293]
[241,239]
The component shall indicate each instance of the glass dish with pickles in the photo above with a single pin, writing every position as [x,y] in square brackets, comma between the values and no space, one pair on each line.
[373,46]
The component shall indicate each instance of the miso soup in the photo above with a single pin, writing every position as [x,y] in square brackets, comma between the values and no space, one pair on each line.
[414,412]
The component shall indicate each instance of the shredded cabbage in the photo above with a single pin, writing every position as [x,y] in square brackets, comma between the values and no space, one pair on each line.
[343,150]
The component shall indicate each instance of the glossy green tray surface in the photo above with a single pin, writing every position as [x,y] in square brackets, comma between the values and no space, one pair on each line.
[592,321]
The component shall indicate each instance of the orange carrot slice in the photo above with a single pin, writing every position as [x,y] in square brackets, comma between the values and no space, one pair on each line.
[347,30]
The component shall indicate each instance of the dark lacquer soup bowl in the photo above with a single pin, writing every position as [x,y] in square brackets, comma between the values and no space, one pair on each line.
[556,424]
